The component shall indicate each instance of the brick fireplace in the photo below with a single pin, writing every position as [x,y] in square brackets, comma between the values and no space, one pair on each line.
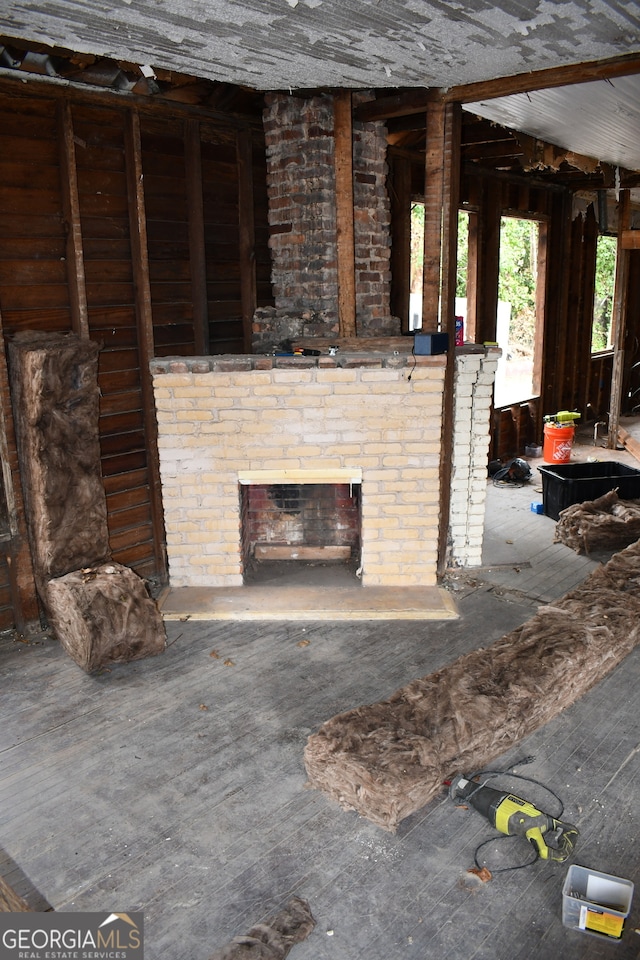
[291,432]
[365,419]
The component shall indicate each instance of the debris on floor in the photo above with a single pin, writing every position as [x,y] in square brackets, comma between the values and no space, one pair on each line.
[10,901]
[606,523]
[274,939]
[481,873]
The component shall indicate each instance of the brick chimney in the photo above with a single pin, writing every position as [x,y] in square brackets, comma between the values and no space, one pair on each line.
[301,184]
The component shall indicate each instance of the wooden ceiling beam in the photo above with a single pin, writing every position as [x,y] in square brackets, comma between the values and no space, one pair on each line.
[415,100]
[403,104]
[623,66]
[15,82]
[497,149]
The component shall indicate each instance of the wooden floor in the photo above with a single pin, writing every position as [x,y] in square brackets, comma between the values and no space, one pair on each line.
[176,785]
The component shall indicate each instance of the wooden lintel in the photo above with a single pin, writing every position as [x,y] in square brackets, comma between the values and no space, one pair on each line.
[195,213]
[144,321]
[343,133]
[630,239]
[247,233]
[71,210]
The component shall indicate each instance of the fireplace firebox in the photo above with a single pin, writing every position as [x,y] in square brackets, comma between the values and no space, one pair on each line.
[299,522]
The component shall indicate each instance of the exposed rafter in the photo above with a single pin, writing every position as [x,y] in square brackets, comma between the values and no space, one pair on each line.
[415,101]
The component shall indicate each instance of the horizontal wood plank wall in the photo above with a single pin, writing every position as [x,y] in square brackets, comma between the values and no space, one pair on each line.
[165,197]
[33,276]
[34,272]
[34,290]
[104,212]
[222,239]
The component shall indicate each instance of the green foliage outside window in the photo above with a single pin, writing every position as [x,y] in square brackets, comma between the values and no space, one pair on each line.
[517,282]
[605,276]
[463,253]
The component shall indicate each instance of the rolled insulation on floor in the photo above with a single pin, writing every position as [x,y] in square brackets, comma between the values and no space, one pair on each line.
[386,760]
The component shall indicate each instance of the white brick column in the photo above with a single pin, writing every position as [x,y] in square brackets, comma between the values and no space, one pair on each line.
[473,391]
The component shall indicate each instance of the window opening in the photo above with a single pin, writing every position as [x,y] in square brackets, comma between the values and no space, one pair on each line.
[605,279]
[417,265]
[517,319]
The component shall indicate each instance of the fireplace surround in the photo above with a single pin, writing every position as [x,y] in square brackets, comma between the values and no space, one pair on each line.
[374,419]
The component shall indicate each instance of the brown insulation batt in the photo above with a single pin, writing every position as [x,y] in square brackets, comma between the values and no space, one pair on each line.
[10,902]
[603,524]
[388,759]
[104,615]
[54,386]
[271,940]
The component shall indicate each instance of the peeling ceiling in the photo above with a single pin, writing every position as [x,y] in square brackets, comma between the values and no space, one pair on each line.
[277,44]
[373,44]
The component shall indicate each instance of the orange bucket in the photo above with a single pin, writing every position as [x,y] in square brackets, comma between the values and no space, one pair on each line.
[558,441]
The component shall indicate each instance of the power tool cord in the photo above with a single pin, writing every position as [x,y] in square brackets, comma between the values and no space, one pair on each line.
[508,772]
[519,866]
[413,354]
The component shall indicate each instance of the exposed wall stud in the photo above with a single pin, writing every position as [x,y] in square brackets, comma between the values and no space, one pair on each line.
[343,130]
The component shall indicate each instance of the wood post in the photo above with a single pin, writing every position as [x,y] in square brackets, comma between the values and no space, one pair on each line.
[488,259]
[554,329]
[434,174]
[71,209]
[400,196]
[197,257]
[248,283]
[144,322]
[619,317]
[442,196]
[630,239]
[343,134]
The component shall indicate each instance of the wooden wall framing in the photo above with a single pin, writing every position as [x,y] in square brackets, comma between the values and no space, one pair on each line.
[145,230]
[566,374]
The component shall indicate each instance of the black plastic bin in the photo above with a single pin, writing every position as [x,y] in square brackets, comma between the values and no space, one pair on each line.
[567,483]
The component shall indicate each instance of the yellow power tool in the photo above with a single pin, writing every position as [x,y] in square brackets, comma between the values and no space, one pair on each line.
[553,839]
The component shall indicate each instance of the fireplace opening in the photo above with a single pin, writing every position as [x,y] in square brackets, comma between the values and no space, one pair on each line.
[301,531]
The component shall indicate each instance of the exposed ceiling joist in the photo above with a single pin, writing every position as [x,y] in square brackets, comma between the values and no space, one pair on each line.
[415,101]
